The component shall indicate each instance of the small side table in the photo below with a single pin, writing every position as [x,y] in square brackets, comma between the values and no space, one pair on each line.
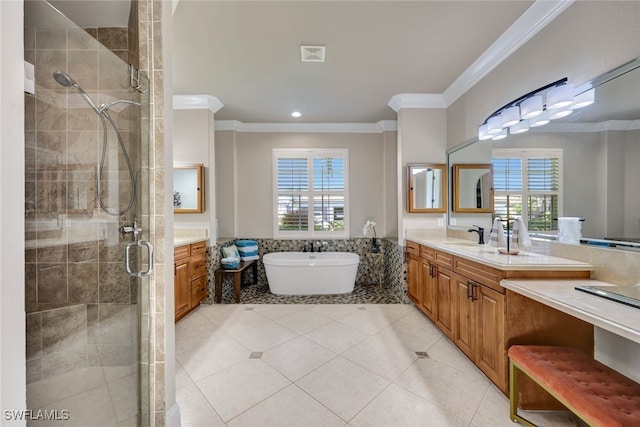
[376,268]
[237,278]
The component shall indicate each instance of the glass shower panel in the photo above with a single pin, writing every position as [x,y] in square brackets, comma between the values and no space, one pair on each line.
[86,163]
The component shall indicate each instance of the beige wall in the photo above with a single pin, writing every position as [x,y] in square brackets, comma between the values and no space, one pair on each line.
[226,183]
[422,136]
[587,39]
[253,161]
[193,143]
[391,182]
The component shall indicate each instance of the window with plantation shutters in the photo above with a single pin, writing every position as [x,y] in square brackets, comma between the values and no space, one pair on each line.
[310,190]
[527,183]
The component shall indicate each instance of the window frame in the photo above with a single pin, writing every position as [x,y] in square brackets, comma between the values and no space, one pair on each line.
[524,155]
[310,154]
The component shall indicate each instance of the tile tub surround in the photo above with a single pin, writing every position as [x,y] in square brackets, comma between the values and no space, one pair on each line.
[393,279]
[330,365]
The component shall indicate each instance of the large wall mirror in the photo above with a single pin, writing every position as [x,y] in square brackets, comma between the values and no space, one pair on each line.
[598,168]
[473,188]
[188,191]
[426,188]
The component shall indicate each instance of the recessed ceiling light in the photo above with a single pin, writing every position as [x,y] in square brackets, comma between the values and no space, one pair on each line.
[296,114]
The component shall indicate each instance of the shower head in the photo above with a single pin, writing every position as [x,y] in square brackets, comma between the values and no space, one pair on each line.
[66,80]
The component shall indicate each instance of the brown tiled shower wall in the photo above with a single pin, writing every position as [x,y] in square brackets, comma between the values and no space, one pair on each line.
[81,304]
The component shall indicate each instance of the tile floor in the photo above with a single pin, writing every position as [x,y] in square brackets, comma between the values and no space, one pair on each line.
[271,365]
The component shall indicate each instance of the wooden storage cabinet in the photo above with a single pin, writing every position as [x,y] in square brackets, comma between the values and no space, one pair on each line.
[189,277]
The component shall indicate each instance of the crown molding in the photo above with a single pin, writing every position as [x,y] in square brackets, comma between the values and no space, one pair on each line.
[416,100]
[197,102]
[532,21]
[237,126]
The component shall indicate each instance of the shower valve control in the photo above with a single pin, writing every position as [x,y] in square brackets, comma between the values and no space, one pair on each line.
[133,228]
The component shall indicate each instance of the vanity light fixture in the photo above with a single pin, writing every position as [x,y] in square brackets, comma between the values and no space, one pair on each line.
[560,96]
[521,127]
[530,111]
[558,114]
[584,99]
[501,135]
[510,116]
[541,120]
[531,107]
[483,132]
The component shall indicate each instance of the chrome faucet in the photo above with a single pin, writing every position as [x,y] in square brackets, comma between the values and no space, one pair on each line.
[480,232]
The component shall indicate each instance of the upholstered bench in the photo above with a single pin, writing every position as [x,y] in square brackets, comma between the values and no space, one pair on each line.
[595,393]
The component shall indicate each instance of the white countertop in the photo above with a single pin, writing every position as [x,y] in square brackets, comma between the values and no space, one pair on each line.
[181,241]
[490,256]
[612,316]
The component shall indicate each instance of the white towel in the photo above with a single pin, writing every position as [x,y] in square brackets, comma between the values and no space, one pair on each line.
[569,230]
[496,237]
[519,236]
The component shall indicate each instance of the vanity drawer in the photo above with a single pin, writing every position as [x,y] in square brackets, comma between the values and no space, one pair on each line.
[444,259]
[427,253]
[198,264]
[181,252]
[198,248]
[198,289]
[480,273]
[413,248]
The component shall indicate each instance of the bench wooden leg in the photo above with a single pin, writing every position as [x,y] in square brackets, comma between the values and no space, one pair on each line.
[513,397]
[237,279]
[254,267]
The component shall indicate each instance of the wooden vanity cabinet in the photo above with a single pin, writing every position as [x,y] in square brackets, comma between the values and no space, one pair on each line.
[413,272]
[189,277]
[428,282]
[465,300]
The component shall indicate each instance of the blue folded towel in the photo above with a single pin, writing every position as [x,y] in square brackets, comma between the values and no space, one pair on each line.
[245,249]
[243,243]
[243,255]
[249,258]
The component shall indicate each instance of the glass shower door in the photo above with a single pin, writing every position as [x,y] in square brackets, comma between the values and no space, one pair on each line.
[86,163]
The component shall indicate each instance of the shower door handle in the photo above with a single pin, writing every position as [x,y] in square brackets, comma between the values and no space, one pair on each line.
[127,258]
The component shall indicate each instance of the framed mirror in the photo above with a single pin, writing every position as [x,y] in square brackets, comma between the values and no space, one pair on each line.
[188,191]
[473,188]
[426,188]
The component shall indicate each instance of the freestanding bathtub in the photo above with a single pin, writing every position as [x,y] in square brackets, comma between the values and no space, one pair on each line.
[311,273]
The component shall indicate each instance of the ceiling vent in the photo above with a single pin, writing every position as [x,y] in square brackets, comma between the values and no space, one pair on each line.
[310,53]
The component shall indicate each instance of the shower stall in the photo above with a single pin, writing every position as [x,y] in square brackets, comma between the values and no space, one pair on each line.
[87,260]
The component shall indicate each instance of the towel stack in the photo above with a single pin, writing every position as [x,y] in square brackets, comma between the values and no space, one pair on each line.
[569,230]
[248,249]
[496,237]
[519,235]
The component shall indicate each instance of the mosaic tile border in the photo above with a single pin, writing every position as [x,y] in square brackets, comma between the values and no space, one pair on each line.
[392,289]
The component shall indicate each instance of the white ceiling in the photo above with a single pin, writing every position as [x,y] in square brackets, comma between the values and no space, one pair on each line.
[247,53]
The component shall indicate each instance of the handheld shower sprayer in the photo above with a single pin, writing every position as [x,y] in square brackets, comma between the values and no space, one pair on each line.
[67,81]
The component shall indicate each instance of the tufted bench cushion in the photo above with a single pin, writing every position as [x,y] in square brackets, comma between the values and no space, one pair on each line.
[594,392]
